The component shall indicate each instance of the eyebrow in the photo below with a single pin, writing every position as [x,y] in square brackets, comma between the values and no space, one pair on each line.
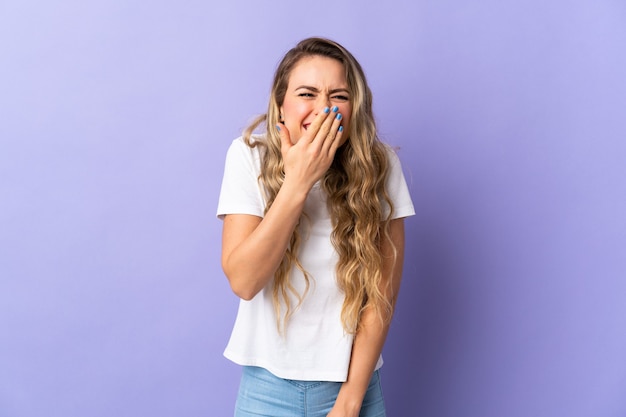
[336,90]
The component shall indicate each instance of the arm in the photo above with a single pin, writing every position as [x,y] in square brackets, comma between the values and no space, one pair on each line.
[370,338]
[253,247]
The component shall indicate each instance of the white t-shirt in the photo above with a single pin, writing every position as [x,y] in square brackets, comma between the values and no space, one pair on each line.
[314,346]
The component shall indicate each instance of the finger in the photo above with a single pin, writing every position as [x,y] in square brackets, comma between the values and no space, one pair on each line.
[328,125]
[331,143]
[317,123]
[285,138]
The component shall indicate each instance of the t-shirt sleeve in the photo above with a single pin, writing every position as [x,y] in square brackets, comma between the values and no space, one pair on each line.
[397,188]
[240,192]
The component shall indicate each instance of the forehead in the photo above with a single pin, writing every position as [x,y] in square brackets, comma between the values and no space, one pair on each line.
[318,71]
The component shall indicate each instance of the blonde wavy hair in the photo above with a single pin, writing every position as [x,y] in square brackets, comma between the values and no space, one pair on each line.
[358,202]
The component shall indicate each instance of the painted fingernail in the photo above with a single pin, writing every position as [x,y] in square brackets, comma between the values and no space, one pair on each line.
[338,116]
[341,128]
[335,109]
[326,109]
[278,128]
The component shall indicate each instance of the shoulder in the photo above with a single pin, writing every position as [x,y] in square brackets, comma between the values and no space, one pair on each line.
[396,185]
[255,142]
[391,153]
[242,149]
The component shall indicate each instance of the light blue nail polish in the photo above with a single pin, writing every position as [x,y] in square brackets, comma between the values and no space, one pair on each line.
[338,116]
[278,128]
[341,128]
[326,109]
[335,108]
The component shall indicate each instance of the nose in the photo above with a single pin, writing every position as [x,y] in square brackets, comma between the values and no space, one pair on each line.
[322,101]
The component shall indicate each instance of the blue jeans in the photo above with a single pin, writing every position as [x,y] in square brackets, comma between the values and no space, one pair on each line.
[263,394]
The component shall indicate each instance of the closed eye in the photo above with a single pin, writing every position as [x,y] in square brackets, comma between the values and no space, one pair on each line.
[306,95]
[342,98]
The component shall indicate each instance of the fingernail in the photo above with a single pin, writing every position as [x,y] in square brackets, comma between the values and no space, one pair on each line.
[278,128]
[326,109]
[341,128]
[335,108]
[338,116]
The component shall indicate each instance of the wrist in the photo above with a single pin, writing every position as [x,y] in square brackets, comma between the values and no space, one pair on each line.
[347,410]
[295,191]
[349,402]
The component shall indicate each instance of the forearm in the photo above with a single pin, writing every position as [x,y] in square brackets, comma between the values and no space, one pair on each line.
[252,261]
[366,349]
[253,248]
[373,327]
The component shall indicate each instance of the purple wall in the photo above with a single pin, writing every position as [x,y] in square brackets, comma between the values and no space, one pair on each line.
[115,118]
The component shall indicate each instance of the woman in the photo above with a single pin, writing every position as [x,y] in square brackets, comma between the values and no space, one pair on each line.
[313,242]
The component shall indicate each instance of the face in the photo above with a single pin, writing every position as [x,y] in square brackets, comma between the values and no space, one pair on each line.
[315,82]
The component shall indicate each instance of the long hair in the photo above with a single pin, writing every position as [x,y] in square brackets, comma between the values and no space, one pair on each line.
[358,202]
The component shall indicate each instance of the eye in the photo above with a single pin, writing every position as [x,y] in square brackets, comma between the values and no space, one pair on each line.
[306,95]
[341,98]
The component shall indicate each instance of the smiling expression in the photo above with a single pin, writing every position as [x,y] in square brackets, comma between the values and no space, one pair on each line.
[315,82]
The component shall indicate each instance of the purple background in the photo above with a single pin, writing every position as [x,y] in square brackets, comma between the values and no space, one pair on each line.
[511,122]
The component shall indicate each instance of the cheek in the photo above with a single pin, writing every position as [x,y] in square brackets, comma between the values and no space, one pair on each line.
[294,114]
[346,117]
[295,110]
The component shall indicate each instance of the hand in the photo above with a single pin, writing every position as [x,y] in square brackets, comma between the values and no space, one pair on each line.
[337,412]
[310,157]
[349,400]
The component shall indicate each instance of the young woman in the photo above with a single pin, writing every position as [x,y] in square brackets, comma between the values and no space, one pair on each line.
[313,242]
